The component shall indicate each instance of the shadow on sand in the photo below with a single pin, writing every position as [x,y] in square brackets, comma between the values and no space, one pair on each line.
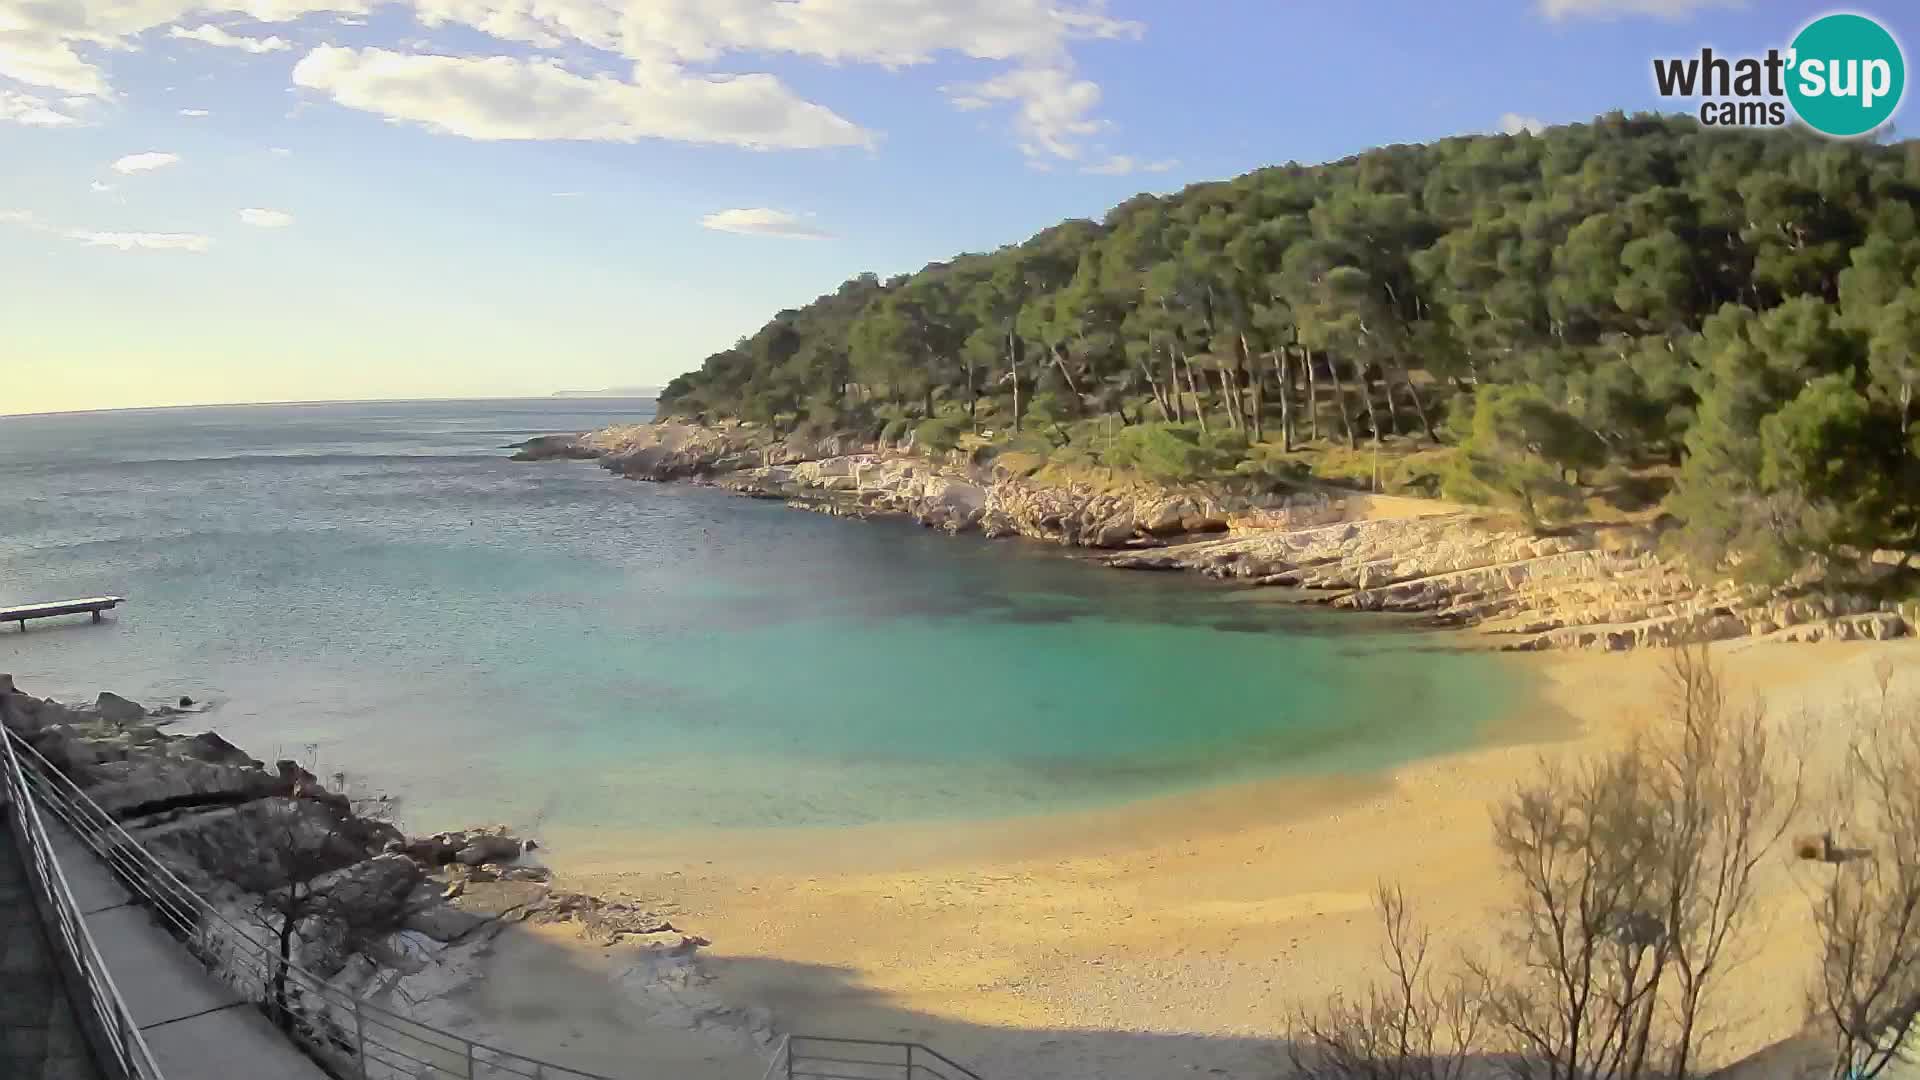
[549,995]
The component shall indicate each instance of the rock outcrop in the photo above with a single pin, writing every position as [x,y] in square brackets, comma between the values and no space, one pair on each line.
[548,447]
[374,913]
[1595,588]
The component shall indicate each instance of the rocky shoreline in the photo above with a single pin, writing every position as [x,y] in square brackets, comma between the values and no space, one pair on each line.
[1594,587]
[401,922]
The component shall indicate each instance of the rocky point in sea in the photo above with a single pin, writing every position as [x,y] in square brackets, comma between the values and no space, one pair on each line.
[1592,586]
[398,921]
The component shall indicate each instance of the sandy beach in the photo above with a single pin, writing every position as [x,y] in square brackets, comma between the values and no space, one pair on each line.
[1176,936]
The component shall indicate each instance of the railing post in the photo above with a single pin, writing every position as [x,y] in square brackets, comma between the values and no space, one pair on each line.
[909,1061]
[233,954]
[789,1057]
[360,1038]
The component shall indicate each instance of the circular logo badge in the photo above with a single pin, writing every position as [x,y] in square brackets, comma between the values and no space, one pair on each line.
[1847,75]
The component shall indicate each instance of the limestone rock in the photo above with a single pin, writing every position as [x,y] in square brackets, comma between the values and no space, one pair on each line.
[1601,587]
[486,848]
[214,750]
[155,781]
[497,898]
[446,922]
[548,447]
[369,893]
[113,707]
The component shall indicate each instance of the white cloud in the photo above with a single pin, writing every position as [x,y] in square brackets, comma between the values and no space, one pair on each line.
[53,45]
[761,221]
[195,113]
[265,219]
[209,34]
[893,33]
[1054,113]
[649,73]
[123,241]
[143,241]
[1514,124]
[147,162]
[566,194]
[41,57]
[1666,9]
[279,151]
[100,186]
[18,108]
[505,98]
[1126,165]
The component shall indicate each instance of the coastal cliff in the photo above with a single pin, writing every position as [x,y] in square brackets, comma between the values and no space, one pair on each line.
[1599,587]
[402,922]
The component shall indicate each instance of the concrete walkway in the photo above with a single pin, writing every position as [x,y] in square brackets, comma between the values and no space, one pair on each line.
[195,1024]
[38,1035]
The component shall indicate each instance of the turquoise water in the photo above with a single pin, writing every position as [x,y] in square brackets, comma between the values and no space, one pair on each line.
[547,643]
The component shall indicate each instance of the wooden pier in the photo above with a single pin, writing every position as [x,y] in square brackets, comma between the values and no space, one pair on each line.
[92,605]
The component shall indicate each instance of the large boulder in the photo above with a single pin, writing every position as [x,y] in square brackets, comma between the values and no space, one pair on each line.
[66,751]
[24,715]
[435,850]
[487,848]
[1163,517]
[147,783]
[548,447]
[258,846]
[371,893]
[1109,532]
[214,750]
[119,710]
[445,922]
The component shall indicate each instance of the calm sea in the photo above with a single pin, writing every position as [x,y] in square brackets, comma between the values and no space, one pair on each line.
[378,586]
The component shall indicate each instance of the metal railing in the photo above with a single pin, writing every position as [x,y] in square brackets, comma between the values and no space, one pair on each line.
[118,1047]
[810,1057]
[346,1034]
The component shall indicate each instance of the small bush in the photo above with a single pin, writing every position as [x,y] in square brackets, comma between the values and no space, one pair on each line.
[1018,463]
[1231,443]
[1519,449]
[1030,442]
[940,434]
[1269,465]
[1175,453]
[1048,415]
[1073,457]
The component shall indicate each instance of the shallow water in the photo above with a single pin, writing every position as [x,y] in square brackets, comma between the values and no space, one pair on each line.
[377,586]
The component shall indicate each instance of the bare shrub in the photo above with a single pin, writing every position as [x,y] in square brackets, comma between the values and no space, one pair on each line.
[1633,877]
[1867,912]
[297,838]
[1411,1027]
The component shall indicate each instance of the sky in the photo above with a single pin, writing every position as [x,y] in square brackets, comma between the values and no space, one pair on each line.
[208,201]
